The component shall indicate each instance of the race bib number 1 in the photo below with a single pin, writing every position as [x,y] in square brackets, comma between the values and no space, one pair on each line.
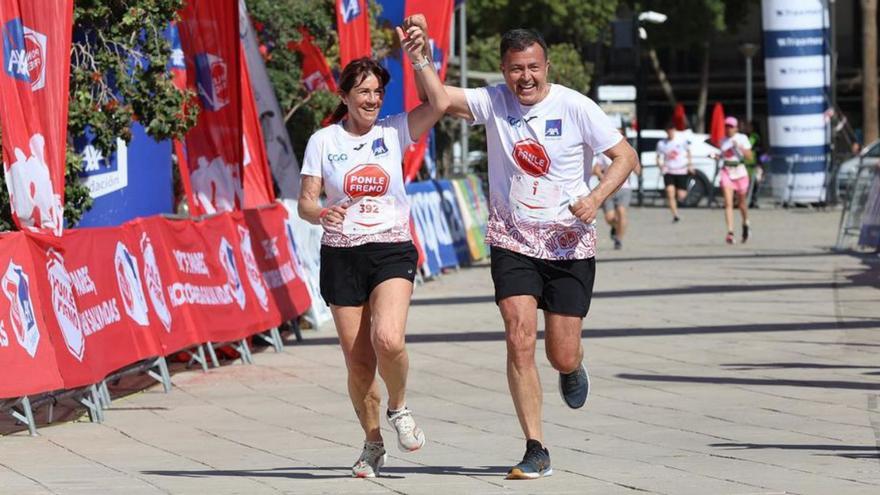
[536,199]
[369,215]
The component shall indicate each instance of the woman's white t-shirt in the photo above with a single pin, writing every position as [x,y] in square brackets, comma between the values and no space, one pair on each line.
[366,173]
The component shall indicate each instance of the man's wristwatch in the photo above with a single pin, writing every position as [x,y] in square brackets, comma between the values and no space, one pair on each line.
[421,65]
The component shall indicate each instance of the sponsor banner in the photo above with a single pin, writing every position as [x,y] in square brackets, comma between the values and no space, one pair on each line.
[802,187]
[257,181]
[799,159]
[279,151]
[798,130]
[869,236]
[144,164]
[796,101]
[353,25]
[785,15]
[276,261]
[304,240]
[432,226]
[797,43]
[798,72]
[34,101]
[99,320]
[209,39]
[27,356]
[469,206]
[455,220]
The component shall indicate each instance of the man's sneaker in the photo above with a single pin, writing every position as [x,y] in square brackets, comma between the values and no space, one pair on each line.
[535,464]
[574,387]
[746,231]
[618,244]
[676,219]
[370,462]
[613,232]
[409,436]
[730,239]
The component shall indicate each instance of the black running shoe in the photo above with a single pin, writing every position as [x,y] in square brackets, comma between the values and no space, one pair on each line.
[575,387]
[535,464]
[746,232]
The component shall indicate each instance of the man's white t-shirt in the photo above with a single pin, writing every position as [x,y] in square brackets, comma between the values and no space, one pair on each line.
[537,157]
[674,152]
[365,172]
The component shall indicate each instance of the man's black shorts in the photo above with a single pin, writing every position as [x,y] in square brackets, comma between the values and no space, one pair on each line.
[679,181]
[349,275]
[561,286]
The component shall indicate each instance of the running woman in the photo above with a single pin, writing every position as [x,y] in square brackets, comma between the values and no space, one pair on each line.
[368,260]
[735,150]
[541,221]
[674,159]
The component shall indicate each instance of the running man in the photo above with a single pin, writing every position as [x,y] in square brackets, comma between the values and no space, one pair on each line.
[674,159]
[541,220]
[615,208]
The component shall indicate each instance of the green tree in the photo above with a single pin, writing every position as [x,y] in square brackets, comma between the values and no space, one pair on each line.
[118,74]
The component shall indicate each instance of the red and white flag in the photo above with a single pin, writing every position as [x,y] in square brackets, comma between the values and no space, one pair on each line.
[34,89]
[257,182]
[209,39]
[353,25]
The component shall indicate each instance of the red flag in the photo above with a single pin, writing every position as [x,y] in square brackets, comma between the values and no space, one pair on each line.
[716,128]
[315,70]
[257,181]
[34,88]
[679,118]
[438,13]
[353,24]
[209,38]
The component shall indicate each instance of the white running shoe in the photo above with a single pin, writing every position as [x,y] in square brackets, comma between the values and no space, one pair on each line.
[409,436]
[370,462]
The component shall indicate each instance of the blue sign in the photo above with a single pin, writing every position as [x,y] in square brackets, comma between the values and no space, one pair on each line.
[455,221]
[431,226]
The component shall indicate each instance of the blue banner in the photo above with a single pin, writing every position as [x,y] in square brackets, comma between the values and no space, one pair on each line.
[795,43]
[455,220]
[796,101]
[431,226]
[135,181]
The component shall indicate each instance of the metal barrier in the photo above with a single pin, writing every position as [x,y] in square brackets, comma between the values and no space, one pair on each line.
[854,207]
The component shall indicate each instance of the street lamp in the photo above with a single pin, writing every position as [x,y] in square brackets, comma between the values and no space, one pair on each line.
[748,50]
[639,33]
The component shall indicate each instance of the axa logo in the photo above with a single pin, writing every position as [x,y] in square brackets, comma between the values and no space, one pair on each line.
[337,157]
[553,128]
[212,80]
[351,10]
[24,54]
[16,287]
[176,60]
[366,180]
[379,147]
[532,157]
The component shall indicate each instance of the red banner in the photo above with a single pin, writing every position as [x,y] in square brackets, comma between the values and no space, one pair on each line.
[353,25]
[27,356]
[438,13]
[34,98]
[258,188]
[315,70]
[209,39]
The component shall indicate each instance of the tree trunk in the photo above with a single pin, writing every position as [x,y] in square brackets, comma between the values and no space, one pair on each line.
[869,71]
[661,76]
[704,90]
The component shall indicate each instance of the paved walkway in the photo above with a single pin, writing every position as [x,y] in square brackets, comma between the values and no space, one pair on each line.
[716,370]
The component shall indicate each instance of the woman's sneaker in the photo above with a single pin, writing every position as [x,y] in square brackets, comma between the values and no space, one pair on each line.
[409,436]
[574,387]
[730,239]
[535,464]
[370,462]
[747,231]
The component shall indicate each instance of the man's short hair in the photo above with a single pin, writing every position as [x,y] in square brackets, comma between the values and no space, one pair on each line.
[520,39]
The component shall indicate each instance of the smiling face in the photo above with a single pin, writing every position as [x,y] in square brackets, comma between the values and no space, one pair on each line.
[364,101]
[525,73]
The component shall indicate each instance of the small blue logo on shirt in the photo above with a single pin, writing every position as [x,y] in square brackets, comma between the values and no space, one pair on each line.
[514,122]
[553,128]
[379,147]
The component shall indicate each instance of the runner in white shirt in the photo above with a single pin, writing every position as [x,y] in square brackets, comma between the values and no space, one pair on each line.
[674,159]
[735,149]
[368,261]
[615,207]
[541,137]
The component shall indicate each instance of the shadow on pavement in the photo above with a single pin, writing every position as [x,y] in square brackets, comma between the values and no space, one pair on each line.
[485,336]
[816,366]
[338,472]
[848,451]
[752,381]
